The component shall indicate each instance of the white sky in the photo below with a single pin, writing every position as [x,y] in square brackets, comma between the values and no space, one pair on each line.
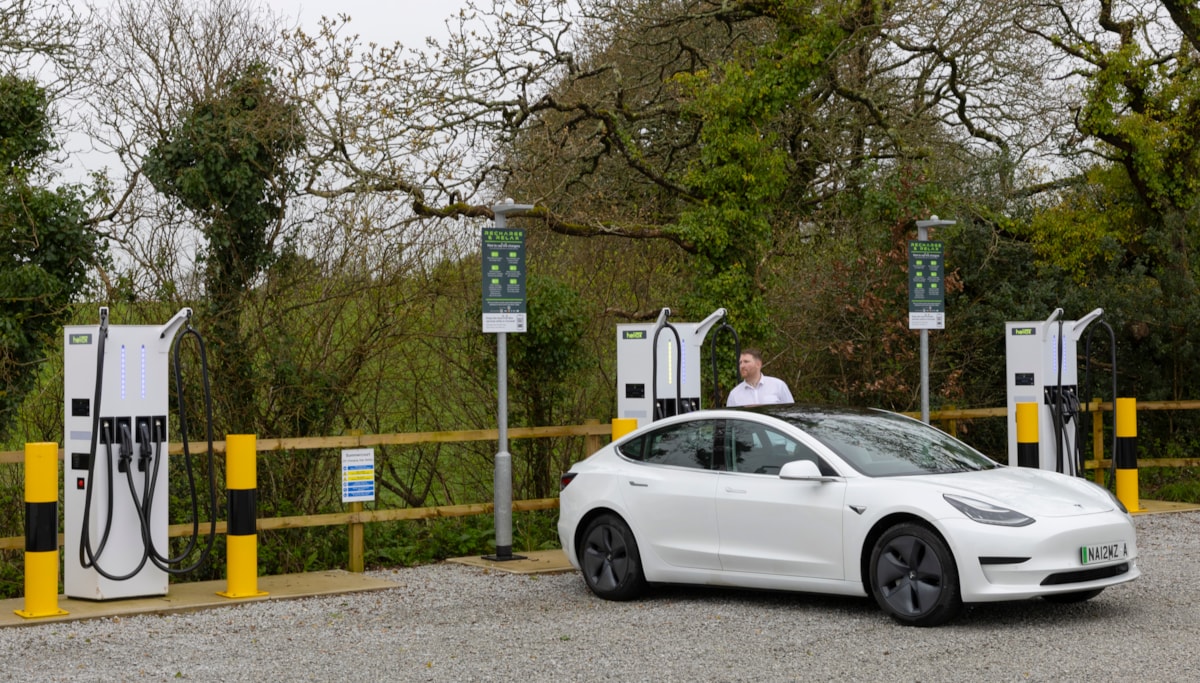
[381,21]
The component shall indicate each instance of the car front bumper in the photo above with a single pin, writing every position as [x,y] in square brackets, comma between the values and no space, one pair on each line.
[1045,558]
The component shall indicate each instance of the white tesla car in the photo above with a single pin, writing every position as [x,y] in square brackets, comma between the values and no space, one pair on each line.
[842,501]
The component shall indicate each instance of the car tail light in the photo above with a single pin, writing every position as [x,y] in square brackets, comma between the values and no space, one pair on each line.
[565,479]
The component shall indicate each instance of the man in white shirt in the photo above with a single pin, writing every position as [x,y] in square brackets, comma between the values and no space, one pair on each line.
[756,388]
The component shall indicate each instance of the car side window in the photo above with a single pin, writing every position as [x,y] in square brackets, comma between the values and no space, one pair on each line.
[634,449]
[683,445]
[758,449]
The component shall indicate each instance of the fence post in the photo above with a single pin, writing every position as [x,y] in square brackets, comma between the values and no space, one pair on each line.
[41,531]
[355,533]
[591,442]
[1097,441]
[355,530]
[241,536]
[952,423]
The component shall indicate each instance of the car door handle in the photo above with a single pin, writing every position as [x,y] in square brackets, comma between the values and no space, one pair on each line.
[636,483]
[729,489]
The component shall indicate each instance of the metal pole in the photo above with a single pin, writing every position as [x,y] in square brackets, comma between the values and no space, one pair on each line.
[502,486]
[925,376]
[922,235]
[502,496]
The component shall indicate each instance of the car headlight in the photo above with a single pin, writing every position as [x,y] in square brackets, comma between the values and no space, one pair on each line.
[986,513]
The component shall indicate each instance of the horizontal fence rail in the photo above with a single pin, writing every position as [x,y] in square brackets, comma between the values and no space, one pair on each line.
[593,431]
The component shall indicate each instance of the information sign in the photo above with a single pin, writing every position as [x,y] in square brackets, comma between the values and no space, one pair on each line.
[358,475]
[503,280]
[926,286]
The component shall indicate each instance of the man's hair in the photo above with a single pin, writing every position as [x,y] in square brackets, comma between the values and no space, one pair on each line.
[752,351]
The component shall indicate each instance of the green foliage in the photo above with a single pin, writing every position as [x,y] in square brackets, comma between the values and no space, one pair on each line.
[744,168]
[1150,114]
[543,362]
[544,358]
[1177,484]
[432,540]
[24,124]
[46,247]
[227,161]
[1093,223]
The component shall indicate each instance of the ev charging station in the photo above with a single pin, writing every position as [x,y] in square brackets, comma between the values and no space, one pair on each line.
[1042,368]
[115,492]
[659,366]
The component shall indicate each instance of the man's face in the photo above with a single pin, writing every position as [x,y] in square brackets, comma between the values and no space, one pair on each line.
[749,366]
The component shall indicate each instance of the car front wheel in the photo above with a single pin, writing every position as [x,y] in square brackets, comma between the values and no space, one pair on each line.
[913,576]
[609,557]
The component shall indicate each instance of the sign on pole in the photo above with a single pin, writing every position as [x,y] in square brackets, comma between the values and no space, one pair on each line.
[926,286]
[503,280]
[358,475]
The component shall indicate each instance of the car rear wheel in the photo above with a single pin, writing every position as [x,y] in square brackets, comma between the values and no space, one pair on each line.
[612,566]
[1069,598]
[913,576]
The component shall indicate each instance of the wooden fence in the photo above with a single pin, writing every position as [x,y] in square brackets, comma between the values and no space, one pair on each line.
[593,432]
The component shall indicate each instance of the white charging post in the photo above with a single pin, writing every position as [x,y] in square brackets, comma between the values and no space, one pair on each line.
[126,430]
[1041,359]
[671,379]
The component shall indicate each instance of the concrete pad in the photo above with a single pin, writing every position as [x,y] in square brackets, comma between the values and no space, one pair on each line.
[535,562]
[184,597]
[1159,506]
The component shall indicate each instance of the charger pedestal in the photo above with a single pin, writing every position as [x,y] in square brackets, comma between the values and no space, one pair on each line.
[132,413]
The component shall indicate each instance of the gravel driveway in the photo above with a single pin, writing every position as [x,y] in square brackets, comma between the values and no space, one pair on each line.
[451,622]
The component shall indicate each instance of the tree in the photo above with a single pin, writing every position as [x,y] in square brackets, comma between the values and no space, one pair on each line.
[46,246]
[1137,113]
[227,162]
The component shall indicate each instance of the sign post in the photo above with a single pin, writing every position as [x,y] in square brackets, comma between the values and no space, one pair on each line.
[926,295]
[503,312]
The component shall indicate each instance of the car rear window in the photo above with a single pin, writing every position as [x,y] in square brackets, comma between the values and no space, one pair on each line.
[881,444]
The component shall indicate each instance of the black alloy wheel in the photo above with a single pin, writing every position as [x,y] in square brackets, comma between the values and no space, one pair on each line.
[913,576]
[609,557]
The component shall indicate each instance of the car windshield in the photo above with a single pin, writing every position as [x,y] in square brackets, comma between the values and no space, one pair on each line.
[881,444]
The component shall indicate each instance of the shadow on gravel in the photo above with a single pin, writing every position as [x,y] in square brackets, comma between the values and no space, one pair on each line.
[979,616]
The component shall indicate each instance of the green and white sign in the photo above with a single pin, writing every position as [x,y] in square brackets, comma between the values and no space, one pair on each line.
[926,286]
[503,280]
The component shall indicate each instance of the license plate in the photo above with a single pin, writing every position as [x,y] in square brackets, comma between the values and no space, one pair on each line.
[1104,552]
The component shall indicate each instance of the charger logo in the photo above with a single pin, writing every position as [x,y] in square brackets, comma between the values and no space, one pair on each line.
[634,334]
[1024,331]
[79,339]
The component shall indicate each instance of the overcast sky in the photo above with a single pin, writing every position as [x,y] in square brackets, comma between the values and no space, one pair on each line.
[382,21]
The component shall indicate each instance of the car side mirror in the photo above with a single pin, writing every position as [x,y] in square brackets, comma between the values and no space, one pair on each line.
[803,470]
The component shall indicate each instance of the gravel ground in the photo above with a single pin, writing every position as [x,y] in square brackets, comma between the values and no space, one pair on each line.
[457,623]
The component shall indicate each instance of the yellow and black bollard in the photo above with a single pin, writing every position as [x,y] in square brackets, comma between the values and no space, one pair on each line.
[1027,435]
[241,535]
[1125,457]
[41,531]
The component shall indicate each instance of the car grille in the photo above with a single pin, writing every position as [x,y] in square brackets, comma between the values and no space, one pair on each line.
[1086,575]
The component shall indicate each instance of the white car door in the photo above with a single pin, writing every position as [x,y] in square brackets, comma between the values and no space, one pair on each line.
[768,525]
[670,494]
